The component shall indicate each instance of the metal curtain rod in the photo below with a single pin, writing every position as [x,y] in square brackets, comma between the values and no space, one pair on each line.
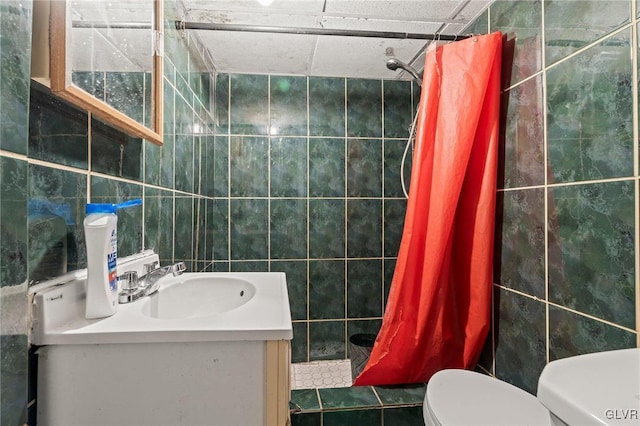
[181,25]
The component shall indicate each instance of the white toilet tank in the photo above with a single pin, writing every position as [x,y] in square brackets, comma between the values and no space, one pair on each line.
[595,389]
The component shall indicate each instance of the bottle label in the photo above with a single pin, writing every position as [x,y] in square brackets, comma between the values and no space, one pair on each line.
[112,260]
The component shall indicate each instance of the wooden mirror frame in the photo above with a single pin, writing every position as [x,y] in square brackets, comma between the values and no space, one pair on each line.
[59,74]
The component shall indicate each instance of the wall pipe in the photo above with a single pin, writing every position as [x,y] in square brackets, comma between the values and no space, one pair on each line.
[182,25]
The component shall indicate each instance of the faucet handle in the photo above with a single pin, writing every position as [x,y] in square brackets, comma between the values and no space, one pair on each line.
[179,268]
[151,266]
[129,280]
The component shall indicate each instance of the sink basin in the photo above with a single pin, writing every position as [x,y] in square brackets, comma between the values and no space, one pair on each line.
[196,296]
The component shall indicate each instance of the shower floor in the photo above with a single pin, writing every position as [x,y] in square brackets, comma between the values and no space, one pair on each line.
[321,374]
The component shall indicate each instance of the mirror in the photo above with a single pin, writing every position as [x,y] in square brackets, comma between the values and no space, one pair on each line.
[104,57]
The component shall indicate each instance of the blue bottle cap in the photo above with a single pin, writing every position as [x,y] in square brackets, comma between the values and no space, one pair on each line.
[101,208]
[111,208]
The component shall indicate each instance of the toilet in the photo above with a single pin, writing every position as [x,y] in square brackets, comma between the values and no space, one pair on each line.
[601,388]
[462,397]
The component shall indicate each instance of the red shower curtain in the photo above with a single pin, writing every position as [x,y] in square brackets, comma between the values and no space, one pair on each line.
[438,312]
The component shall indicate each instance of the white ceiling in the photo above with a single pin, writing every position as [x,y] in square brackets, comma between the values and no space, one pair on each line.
[324,55]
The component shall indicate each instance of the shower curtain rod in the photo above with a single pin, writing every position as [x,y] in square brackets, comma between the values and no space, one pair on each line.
[182,25]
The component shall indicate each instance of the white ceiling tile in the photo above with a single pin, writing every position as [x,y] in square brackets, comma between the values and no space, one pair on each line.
[254,6]
[236,52]
[360,57]
[282,19]
[425,9]
[380,25]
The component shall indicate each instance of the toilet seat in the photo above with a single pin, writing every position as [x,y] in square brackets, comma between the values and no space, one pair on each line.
[461,397]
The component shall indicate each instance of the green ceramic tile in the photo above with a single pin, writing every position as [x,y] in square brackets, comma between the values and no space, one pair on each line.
[15,32]
[13,221]
[305,399]
[326,340]
[364,228]
[288,167]
[105,190]
[389,268]
[364,108]
[326,215]
[249,266]
[221,166]
[58,132]
[299,342]
[572,334]
[249,166]
[221,267]
[159,161]
[207,165]
[591,250]
[364,288]
[56,210]
[573,24]
[401,394]
[209,228]
[183,235]
[296,275]
[125,92]
[364,167]
[353,397]
[403,416]
[288,229]
[393,151]
[197,164]
[521,22]
[590,115]
[394,213]
[249,104]
[398,112]
[519,243]
[220,227]
[249,229]
[520,346]
[355,417]
[522,153]
[184,148]
[288,106]
[306,419]
[326,106]
[327,167]
[13,370]
[199,229]
[326,289]
[158,215]
[222,103]
[114,152]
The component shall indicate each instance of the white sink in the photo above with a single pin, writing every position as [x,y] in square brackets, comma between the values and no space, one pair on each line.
[197,295]
[193,307]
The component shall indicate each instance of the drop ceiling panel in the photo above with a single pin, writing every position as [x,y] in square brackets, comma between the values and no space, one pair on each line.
[360,57]
[237,52]
[258,18]
[381,25]
[314,6]
[435,10]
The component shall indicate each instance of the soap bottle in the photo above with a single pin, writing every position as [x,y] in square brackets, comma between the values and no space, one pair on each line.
[101,236]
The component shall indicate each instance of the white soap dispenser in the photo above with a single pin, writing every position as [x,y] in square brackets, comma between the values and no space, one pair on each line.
[101,237]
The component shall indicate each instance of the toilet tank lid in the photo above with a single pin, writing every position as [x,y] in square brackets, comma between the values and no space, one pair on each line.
[462,397]
[599,389]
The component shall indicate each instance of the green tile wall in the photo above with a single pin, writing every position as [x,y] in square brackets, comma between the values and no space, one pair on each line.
[565,273]
[310,169]
[54,158]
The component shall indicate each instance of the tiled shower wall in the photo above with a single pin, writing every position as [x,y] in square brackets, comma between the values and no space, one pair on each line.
[567,234]
[312,188]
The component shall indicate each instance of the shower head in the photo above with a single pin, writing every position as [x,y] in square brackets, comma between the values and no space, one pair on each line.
[393,64]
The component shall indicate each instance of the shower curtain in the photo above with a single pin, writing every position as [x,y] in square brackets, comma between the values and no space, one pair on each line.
[439,306]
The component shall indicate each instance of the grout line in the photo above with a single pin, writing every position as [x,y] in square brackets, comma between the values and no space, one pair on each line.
[636,159]
[545,159]
[566,308]
[308,226]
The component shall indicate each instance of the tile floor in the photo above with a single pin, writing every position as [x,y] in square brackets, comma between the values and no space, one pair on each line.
[321,374]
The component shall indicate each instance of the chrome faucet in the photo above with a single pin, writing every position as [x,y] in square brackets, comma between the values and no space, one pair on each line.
[134,288]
